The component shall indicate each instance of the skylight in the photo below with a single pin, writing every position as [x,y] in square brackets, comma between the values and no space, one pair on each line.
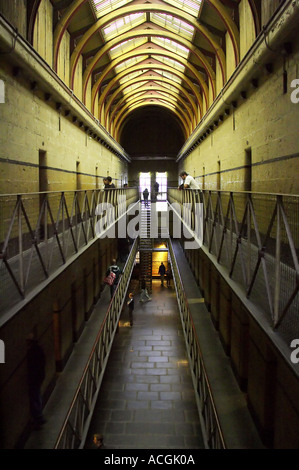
[171,46]
[190,6]
[171,63]
[126,46]
[130,76]
[122,25]
[128,63]
[170,76]
[173,24]
[102,7]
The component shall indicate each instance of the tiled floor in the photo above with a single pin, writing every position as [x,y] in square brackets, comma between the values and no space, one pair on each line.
[147,400]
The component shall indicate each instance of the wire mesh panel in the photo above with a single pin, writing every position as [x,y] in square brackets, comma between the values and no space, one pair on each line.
[254,236]
[40,232]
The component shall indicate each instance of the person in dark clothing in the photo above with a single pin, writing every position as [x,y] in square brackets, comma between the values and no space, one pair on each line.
[117,271]
[106,183]
[156,191]
[168,277]
[110,184]
[162,271]
[36,362]
[145,196]
[131,305]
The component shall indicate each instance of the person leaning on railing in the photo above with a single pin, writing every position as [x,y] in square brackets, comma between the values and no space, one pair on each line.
[190,183]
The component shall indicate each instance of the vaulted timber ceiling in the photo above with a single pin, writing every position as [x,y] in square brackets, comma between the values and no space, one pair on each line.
[148,52]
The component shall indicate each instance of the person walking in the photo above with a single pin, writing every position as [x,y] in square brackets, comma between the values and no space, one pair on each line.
[131,305]
[117,271]
[162,271]
[145,196]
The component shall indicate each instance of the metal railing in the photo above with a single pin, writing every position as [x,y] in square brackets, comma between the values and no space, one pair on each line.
[255,237]
[211,429]
[40,232]
[76,424]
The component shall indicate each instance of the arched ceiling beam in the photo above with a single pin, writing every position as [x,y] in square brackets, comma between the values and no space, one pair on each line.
[153,101]
[150,89]
[77,4]
[230,26]
[148,67]
[157,79]
[256,16]
[62,26]
[151,8]
[153,53]
[117,130]
[146,33]
[32,9]
[155,96]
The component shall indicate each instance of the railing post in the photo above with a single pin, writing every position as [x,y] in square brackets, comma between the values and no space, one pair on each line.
[277,263]
[20,236]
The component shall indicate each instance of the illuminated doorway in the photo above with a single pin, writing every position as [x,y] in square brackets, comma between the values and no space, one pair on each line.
[145,182]
[161,178]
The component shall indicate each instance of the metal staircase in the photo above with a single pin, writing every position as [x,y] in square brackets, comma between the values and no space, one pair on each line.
[146,245]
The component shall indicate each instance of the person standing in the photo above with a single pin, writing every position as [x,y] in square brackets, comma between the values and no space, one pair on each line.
[168,276]
[131,305]
[156,190]
[190,183]
[106,183]
[162,271]
[145,196]
[110,184]
[36,362]
[144,293]
[117,271]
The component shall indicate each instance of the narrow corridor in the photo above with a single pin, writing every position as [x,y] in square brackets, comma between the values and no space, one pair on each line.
[147,399]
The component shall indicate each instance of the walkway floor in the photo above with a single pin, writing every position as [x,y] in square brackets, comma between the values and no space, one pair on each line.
[147,399]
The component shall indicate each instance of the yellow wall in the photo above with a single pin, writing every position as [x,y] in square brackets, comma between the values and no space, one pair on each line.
[266,122]
[30,124]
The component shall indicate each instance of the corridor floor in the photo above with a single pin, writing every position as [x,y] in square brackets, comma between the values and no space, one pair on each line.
[147,400]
